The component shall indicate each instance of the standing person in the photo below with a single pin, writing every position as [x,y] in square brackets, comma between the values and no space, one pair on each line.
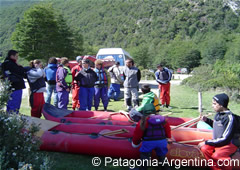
[15,74]
[116,80]
[37,85]
[50,72]
[223,145]
[132,76]
[153,130]
[75,87]
[86,79]
[63,80]
[101,85]
[163,77]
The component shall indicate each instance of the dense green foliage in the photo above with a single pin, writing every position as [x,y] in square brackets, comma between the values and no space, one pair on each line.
[42,33]
[18,146]
[177,33]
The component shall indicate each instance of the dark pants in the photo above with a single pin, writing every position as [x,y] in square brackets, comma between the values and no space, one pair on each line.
[13,104]
[63,99]
[114,90]
[100,93]
[86,97]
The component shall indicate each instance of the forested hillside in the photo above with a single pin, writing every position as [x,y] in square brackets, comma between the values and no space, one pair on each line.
[164,30]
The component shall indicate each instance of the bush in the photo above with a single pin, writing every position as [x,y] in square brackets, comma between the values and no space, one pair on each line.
[220,75]
[18,146]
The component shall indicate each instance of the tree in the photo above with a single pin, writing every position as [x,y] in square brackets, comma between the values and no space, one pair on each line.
[141,56]
[43,33]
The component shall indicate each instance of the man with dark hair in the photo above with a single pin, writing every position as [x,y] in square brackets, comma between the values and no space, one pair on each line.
[163,77]
[224,142]
[132,76]
[116,80]
[15,74]
[50,72]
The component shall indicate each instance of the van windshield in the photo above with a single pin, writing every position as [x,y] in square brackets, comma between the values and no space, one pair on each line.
[117,57]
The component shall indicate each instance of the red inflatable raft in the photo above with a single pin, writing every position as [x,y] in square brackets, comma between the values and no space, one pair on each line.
[95,117]
[82,133]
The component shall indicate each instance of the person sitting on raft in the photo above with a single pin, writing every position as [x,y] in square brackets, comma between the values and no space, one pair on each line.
[152,130]
[148,97]
[223,145]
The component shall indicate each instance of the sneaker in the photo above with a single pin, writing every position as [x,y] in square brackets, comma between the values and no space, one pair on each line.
[169,107]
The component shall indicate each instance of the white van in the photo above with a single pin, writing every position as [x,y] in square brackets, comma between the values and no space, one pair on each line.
[118,54]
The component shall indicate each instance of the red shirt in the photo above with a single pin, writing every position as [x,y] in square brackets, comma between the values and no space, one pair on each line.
[138,132]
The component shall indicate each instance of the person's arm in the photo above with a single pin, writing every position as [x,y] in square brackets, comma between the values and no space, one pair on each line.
[137,136]
[35,74]
[117,73]
[139,75]
[167,129]
[226,136]
[16,69]
[208,121]
[61,78]
[157,77]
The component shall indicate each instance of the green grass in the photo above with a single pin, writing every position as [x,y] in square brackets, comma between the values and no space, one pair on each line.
[183,100]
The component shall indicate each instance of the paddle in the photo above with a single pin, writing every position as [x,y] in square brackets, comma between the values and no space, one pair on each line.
[114,132]
[43,124]
[191,141]
[196,120]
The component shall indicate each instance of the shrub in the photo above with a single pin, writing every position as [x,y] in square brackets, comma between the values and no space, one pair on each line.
[18,146]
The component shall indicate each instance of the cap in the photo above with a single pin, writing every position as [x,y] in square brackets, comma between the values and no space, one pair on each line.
[85,61]
[222,99]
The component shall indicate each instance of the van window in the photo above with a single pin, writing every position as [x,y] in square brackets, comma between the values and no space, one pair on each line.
[117,57]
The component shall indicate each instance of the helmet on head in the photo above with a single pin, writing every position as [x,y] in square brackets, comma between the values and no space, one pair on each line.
[78,59]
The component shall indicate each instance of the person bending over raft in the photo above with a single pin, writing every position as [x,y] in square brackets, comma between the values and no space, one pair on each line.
[152,130]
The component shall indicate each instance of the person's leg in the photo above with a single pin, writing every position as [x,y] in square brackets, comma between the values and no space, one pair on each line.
[117,91]
[127,97]
[167,94]
[55,96]
[75,97]
[49,94]
[38,102]
[83,98]
[110,91]
[63,99]
[14,103]
[90,97]
[97,95]
[145,158]
[161,151]
[223,153]
[162,97]
[104,97]
[134,93]
[207,151]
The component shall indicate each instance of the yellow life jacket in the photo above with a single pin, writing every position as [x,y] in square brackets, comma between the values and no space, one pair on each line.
[156,103]
[68,79]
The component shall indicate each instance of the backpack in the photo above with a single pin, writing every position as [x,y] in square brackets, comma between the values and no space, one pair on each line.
[236,136]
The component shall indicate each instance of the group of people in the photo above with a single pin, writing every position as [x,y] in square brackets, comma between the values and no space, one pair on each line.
[92,84]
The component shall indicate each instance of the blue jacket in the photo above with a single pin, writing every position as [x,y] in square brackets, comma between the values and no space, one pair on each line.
[50,72]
